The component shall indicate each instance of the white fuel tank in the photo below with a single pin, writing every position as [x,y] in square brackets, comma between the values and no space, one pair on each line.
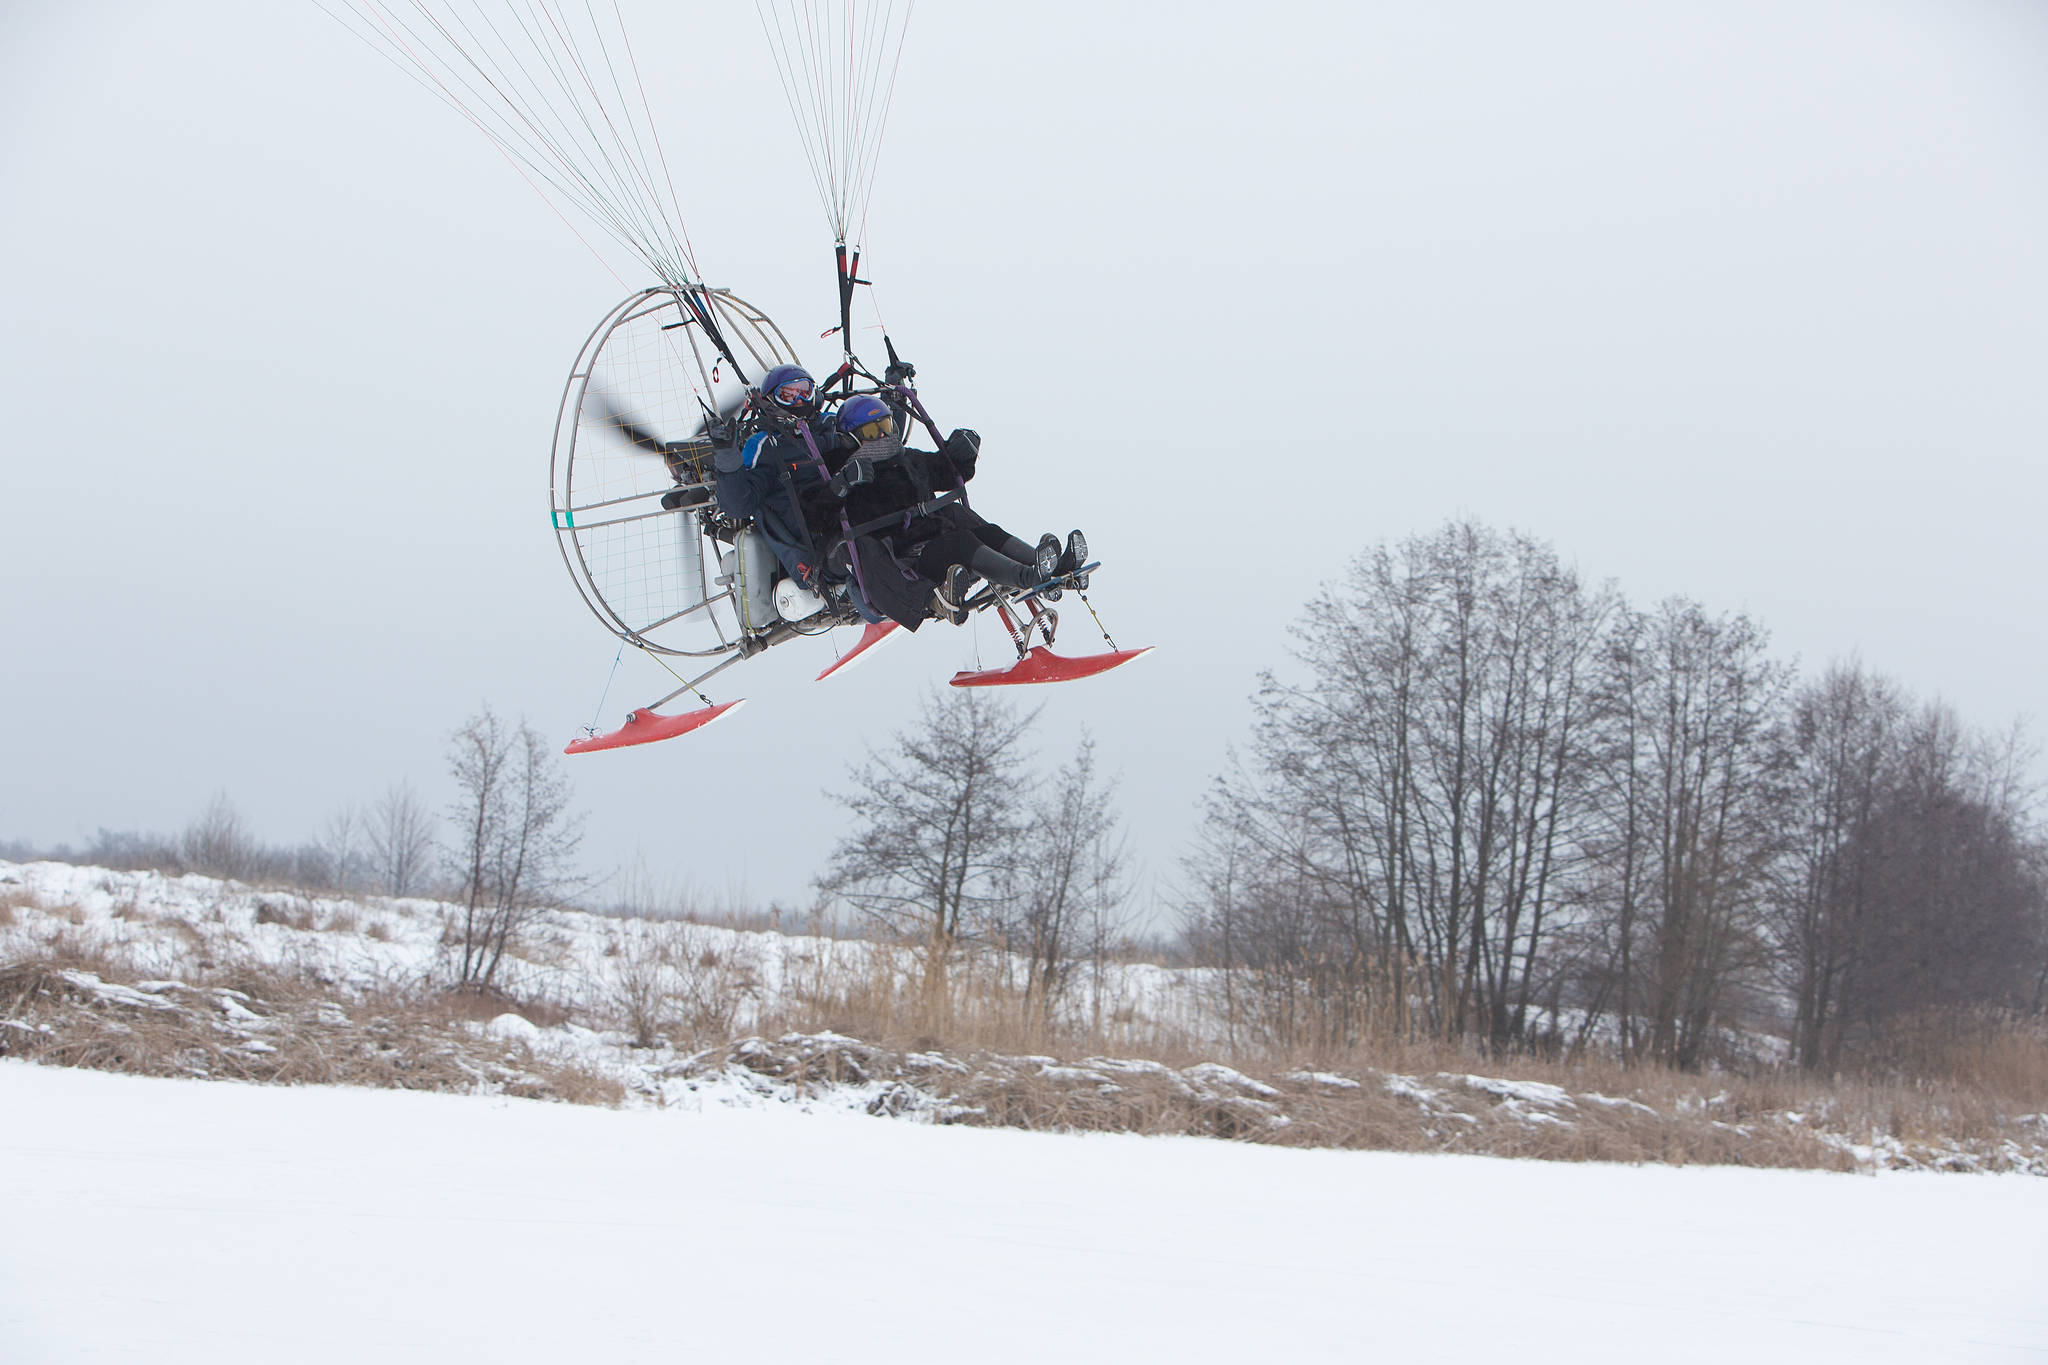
[752,568]
[793,602]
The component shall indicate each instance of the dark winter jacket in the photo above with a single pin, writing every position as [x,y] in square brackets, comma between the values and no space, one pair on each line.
[903,478]
[775,478]
[765,477]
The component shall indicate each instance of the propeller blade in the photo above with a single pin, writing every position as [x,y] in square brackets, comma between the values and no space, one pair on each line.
[626,426]
[726,409]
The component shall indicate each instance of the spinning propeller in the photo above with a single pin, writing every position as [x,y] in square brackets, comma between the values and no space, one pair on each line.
[693,447]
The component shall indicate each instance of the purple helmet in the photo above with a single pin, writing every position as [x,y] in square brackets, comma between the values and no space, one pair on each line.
[790,387]
[866,418]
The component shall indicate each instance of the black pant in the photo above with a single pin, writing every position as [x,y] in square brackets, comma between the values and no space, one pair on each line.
[978,544]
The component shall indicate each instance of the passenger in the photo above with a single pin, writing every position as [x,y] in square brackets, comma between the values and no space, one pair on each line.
[948,547]
[808,477]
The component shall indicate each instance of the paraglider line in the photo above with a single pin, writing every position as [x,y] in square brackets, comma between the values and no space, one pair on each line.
[591,728]
[887,101]
[654,130]
[447,97]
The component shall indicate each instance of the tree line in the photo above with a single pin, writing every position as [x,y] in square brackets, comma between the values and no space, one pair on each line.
[1495,803]
[1489,803]
[503,849]
[386,847]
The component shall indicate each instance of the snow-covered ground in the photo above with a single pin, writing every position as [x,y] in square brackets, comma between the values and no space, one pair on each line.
[174,1221]
[178,948]
[166,924]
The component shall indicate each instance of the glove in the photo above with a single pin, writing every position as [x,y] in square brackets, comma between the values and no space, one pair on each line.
[725,445]
[857,471]
[963,448]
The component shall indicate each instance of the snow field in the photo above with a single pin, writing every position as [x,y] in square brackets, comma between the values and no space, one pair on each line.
[172,1221]
[334,957]
[570,957]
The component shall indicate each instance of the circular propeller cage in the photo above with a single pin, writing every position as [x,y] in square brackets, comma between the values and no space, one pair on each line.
[630,433]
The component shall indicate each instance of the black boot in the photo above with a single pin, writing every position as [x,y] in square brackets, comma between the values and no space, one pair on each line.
[1072,558]
[1048,565]
[950,597]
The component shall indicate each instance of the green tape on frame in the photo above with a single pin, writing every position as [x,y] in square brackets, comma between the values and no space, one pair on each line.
[563,518]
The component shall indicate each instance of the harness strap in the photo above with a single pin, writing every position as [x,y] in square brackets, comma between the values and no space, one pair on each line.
[811,444]
[853,556]
[917,406]
[923,509]
[803,525]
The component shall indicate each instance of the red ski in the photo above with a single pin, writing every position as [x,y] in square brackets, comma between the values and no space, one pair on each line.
[645,727]
[1041,665]
[874,635]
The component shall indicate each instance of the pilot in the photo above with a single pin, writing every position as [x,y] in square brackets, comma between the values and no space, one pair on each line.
[765,477]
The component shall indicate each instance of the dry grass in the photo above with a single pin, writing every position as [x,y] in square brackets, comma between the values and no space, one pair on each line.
[291,911]
[252,1023]
[983,1052]
[1529,1110]
[1402,1111]
[989,1057]
[1989,1053]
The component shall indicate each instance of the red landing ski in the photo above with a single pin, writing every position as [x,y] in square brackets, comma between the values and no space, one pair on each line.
[1041,665]
[645,727]
[869,638]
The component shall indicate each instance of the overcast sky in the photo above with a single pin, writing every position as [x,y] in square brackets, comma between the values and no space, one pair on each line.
[1747,302]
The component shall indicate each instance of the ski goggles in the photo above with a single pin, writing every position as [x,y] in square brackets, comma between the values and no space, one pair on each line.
[874,430]
[795,391]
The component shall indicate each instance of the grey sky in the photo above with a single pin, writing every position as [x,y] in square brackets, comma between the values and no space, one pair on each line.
[1743,301]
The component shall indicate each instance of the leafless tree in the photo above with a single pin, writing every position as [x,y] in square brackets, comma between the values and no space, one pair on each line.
[400,834]
[1692,821]
[1491,803]
[1915,893]
[1411,804]
[938,814]
[1957,896]
[1845,750]
[1070,885]
[219,843]
[518,837]
[343,847]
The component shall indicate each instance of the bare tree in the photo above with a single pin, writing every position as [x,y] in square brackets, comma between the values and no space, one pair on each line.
[1412,803]
[1070,886]
[1957,902]
[1845,750]
[1694,817]
[1490,799]
[519,838]
[219,844]
[343,845]
[937,818]
[400,835]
